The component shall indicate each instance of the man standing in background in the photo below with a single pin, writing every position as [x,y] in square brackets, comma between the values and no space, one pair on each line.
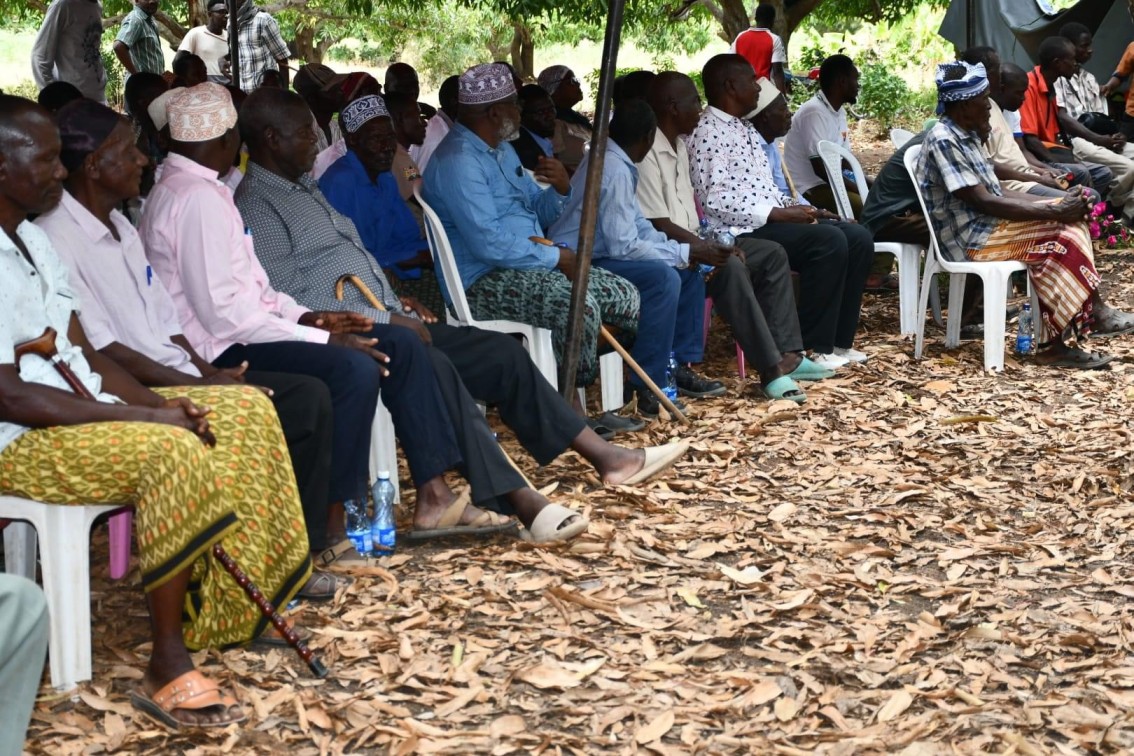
[763,48]
[210,42]
[138,45]
[67,48]
[262,47]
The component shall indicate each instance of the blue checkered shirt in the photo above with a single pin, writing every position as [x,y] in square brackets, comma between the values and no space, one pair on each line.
[139,33]
[952,159]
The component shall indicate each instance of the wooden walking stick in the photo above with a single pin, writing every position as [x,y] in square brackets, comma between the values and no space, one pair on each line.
[44,347]
[670,406]
[358,284]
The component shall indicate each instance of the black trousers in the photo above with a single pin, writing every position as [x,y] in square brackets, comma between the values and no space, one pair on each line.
[304,408]
[755,298]
[832,259]
[352,380]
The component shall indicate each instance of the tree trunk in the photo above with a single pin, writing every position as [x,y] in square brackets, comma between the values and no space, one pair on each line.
[198,12]
[523,51]
[307,48]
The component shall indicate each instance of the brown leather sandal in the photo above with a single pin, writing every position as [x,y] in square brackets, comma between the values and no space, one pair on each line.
[191,691]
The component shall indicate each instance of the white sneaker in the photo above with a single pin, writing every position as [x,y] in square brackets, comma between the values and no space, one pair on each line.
[829,361]
[852,355]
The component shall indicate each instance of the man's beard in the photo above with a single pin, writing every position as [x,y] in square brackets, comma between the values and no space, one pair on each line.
[509,130]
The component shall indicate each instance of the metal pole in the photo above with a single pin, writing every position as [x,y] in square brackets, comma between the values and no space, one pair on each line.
[970,24]
[234,41]
[596,158]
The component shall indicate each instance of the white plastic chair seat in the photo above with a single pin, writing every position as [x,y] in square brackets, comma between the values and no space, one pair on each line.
[994,276]
[537,340]
[63,535]
[908,256]
[899,137]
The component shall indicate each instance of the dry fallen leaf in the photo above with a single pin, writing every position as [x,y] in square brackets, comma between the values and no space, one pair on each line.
[659,726]
[898,703]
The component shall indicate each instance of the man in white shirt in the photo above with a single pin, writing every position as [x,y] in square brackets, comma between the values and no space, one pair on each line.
[210,42]
[823,117]
[736,186]
[439,124]
[67,48]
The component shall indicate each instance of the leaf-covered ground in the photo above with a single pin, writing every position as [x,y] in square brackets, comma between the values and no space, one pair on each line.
[922,559]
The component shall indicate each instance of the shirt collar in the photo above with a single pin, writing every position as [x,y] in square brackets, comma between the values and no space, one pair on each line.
[662,145]
[176,162]
[1041,82]
[472,138]
[823,99]
[615,151]
[720,114]
[274,181]
[92,227]
[958,132]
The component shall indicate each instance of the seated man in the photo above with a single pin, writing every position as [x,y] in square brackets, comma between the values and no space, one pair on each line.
[572,128]
[409,130]
[823,117]
[739,187]
[439,125]
[305,246]
[752,288]
[665,272]
[326,93]
[191,489]
[537,126]
[491,211]
[401,79]
[1039,116]
[200,248]
[1078,94]
[974,216]
[103,252]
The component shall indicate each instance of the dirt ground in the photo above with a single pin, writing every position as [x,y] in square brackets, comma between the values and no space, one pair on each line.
[921,559]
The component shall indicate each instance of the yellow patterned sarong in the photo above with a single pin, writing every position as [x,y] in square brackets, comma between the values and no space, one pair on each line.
[186,497]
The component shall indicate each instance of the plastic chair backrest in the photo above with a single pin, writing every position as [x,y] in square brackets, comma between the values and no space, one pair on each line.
[910,160]
[443,258]
[899,137]
[833,156]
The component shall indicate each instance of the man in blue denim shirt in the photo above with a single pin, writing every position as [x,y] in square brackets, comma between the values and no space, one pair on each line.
[665,271]
[491,211]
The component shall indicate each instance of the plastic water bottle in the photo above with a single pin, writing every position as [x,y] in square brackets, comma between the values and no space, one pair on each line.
[357,526]
[670,389]
[1025,335]
[705,234]
[727,236]
[382,526]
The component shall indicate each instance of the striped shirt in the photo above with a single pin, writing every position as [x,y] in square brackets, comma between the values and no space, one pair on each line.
[139,33]
[304,244]
[261,47]
[952,159]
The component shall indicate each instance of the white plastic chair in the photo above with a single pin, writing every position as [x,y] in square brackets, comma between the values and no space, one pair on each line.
[537,340]
[63,534]
[907,255]
[899,137]
[994,276]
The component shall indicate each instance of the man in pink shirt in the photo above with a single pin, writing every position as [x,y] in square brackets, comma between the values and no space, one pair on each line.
[197,243]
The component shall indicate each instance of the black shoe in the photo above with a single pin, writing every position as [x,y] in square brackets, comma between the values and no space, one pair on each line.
[609,423]
[648,404]
[691,384]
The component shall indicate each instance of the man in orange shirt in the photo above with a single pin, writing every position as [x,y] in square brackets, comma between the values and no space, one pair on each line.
[1039,115]
[1122,73]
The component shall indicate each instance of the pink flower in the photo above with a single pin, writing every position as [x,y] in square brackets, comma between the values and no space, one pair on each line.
[1096,232]
[1111,240]
[1098,209]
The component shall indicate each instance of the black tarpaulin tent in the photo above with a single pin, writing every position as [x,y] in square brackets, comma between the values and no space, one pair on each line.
[1017,27]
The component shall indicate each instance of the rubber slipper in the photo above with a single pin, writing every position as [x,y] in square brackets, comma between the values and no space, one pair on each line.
[1080,360]
[486,522]
[658,459]
[603,431]
[191,691]
[1121,323]
[809,371]
[321,586]
[785,388]
[272,639]
[548,526]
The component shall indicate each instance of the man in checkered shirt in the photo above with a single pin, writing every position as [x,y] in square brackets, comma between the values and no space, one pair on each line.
[262,47]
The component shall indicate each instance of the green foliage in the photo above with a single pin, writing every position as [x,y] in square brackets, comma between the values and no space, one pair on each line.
[25,88]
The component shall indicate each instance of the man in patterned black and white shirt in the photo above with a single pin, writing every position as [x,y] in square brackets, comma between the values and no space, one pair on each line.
[736,187]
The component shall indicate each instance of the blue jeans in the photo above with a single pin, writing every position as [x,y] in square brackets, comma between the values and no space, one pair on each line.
[672,314]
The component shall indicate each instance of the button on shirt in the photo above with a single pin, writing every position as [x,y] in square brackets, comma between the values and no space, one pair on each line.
[196,242]
[489,206]
[140,34]
[305,245]
[732,178]
[622,232]
[952,159]
[664,187]
[122,300]
[33,298]
[382,218]
[815,121]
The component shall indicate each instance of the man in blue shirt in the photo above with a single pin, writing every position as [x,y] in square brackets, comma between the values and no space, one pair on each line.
[371,198]
[491,211]
[665,271]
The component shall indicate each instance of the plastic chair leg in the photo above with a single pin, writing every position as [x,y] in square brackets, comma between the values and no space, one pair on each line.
[610,378]
[907,287]
[543,355]
[120,526]
[995,308]
[956,304]
[927,281]
[20,549]
[384,448]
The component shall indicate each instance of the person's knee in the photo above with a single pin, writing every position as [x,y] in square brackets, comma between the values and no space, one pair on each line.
[355,371]
[29,603]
